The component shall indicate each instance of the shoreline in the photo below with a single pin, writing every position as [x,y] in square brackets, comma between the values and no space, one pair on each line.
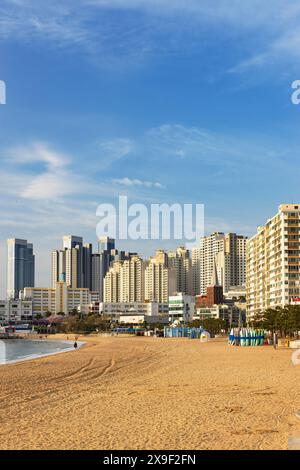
[39,356]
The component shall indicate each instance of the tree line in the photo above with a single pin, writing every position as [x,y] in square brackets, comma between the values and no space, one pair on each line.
[284,321]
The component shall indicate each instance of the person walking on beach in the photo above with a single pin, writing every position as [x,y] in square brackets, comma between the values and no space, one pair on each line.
[75,345]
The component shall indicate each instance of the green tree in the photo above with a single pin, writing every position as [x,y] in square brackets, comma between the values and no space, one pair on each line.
[284,321]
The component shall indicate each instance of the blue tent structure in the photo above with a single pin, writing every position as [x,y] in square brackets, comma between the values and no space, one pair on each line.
[182,332]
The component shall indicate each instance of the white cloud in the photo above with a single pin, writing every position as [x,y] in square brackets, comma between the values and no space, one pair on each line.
[284,49]
[136,182]
[54,182]
[38,152]
[49,186]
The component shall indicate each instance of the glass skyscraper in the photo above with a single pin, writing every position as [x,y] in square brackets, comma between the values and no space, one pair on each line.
[20,266]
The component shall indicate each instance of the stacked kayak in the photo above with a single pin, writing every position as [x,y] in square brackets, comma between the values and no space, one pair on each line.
[246,337]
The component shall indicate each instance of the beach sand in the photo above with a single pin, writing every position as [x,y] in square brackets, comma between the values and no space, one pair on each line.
[151,393]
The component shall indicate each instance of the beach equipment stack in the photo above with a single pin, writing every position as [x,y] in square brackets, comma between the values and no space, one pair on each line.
[182,332]
[246,337]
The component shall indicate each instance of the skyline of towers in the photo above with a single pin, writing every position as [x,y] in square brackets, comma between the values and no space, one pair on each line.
[167,272]
[268,263]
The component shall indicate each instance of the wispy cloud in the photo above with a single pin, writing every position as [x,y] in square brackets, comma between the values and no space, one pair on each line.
[48,186]
[284,49]
[51,182]
[110,151]
[136,182]
[150,27]
[38,152]
[192,144]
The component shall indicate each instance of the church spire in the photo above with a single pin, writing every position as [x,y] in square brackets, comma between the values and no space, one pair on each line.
[214,275]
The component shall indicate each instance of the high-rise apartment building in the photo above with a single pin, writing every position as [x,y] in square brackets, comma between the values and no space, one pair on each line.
[96,272]
[160,280]
[235,247]
[133,280]
[106,244]
[210,246]
[125,281]
[228,253]
[20,266]
[73,264]
[112,283]
[196,285]
[106,250]
[181,262]
[273,262]
[71,241]
[100,263]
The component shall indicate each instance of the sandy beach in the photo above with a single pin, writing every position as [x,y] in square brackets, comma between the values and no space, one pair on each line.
[151,393]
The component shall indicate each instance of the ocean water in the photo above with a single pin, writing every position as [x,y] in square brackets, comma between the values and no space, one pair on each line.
[14,350]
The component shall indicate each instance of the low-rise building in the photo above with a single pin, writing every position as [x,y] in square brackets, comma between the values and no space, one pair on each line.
[116,309]
[15,312]
[61,299]
[140,319]
[181,308]
[231,313]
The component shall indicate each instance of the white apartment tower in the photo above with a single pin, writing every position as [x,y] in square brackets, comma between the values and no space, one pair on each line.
[210,246]
[133,280]
[125,281]
[273,262]
[228,253]
[112,283]
[160,280]
[181,262]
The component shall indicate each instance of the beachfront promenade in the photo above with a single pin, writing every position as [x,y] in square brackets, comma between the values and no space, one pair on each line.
[151,393]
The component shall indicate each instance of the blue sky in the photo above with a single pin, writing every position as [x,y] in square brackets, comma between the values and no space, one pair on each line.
[149,98]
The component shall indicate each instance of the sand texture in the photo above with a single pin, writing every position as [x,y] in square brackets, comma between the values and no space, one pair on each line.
[151,393]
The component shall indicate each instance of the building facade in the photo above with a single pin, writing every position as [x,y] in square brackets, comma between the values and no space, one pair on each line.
[196,272]
[125,281]
[73,264]
[228,253]
[61,299]
[229,313]
[115,309]
[15,311]
[180,261]
[20,266]
[160,280]
[106,250]
[181,308]
[273,262]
